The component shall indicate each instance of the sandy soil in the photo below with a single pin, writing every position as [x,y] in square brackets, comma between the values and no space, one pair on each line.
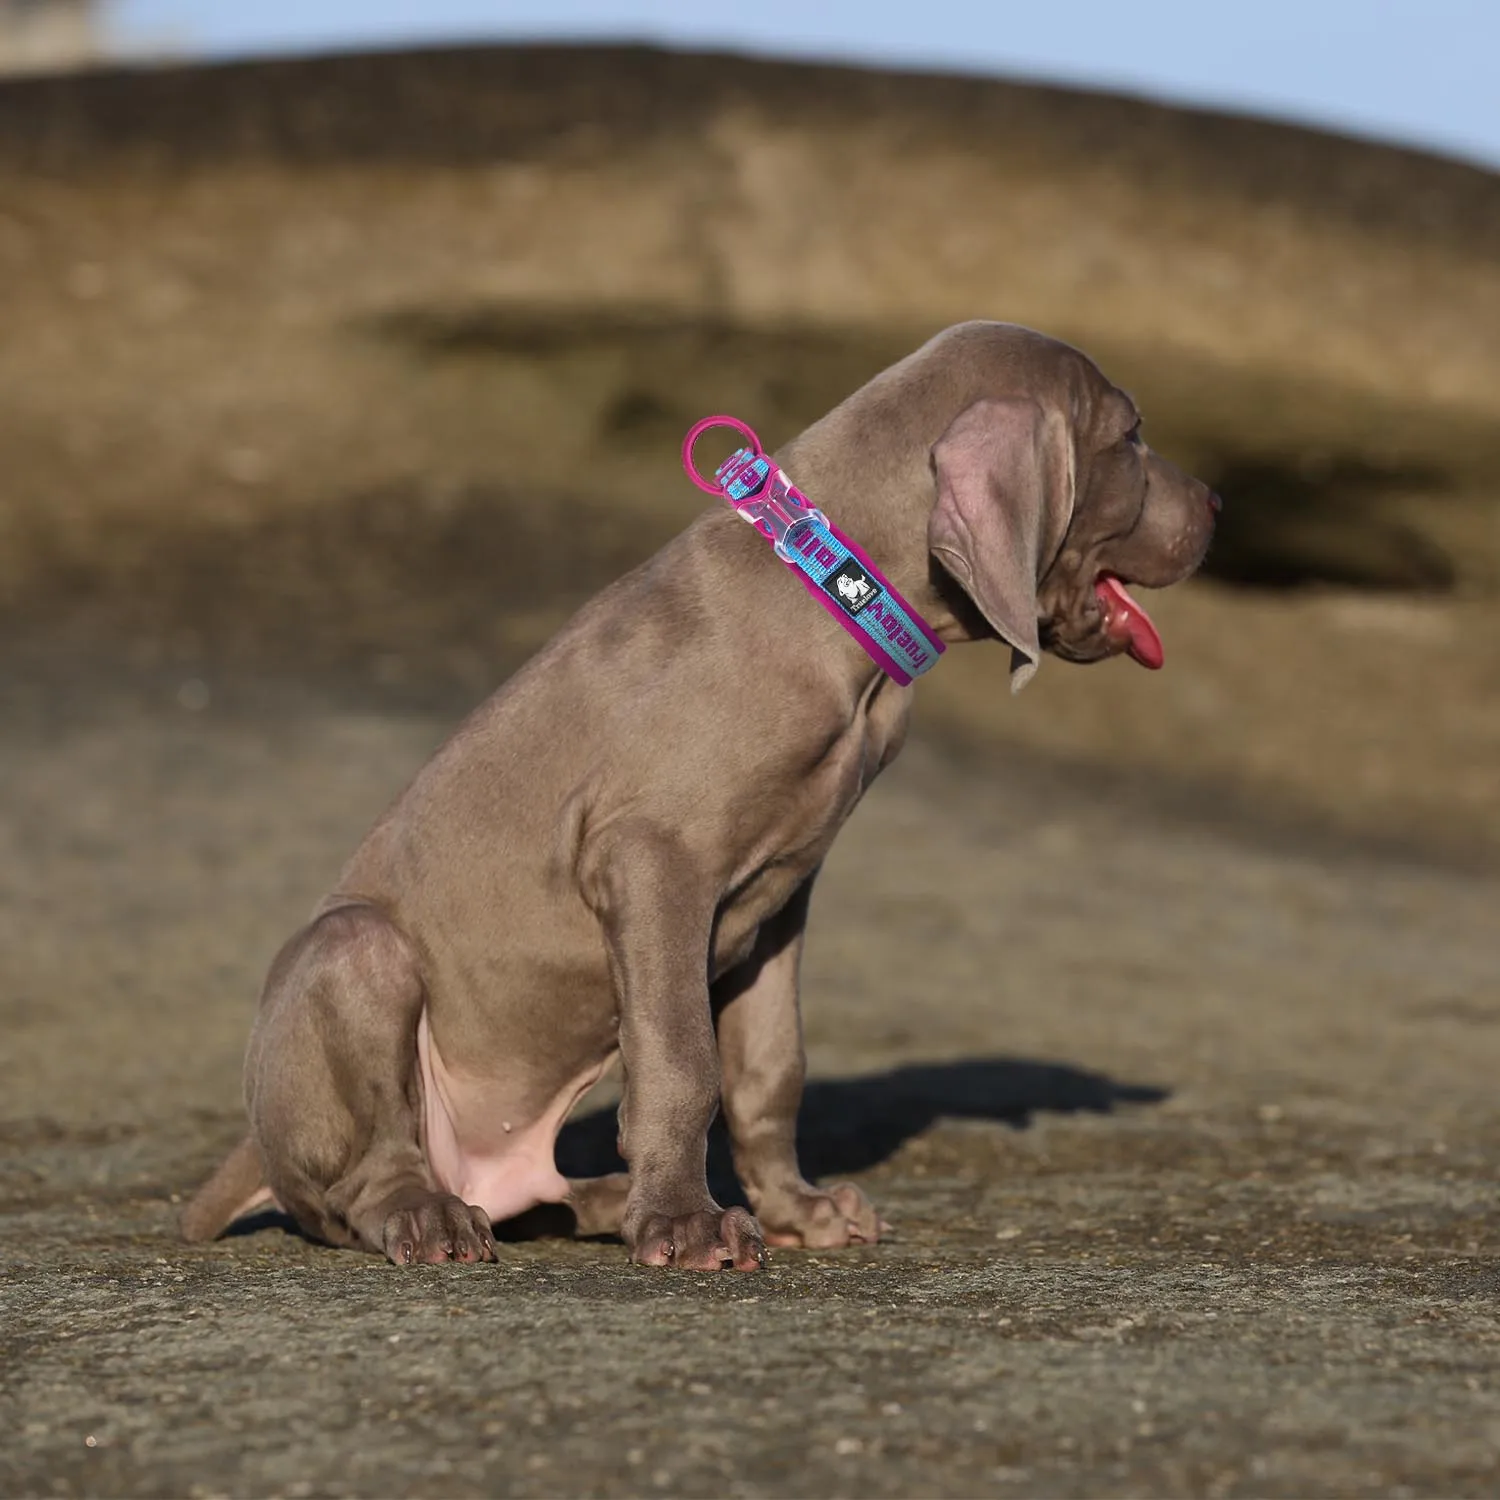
[1187,1124]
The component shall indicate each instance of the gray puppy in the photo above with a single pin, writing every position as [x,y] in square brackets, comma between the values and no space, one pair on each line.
[614,854]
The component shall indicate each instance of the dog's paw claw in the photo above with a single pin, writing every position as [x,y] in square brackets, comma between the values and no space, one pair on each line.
[436,1229]
[704,1241]
[825,1219]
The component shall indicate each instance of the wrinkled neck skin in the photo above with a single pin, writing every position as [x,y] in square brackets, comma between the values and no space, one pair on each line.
[868,465]
[883,502]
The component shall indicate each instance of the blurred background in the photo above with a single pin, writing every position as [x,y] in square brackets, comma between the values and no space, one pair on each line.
[306,355]
[346,348]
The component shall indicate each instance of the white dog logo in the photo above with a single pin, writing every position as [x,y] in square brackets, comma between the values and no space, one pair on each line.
[853,589]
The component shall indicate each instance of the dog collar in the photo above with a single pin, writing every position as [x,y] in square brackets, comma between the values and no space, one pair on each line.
[833,569]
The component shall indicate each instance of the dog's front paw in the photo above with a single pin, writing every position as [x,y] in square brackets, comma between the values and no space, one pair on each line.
[822,1219]
[704,1241]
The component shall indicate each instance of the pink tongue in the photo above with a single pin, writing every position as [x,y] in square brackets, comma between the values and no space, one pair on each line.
[1127,622]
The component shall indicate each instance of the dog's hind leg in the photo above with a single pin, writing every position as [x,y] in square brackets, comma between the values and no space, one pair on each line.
[331,1080]
[598,1203]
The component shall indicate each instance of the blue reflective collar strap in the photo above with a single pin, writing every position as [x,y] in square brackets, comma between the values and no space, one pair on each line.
[833,569]
[863,602]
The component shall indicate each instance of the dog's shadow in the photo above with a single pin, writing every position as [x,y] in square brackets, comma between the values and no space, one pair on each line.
[848,1125]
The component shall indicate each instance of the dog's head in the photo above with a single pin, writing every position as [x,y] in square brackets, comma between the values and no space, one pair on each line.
[1049,504]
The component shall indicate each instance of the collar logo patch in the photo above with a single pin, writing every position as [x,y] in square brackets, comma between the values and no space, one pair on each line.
[851,586]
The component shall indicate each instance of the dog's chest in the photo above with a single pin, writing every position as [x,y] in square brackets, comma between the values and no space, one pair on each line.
[804,817]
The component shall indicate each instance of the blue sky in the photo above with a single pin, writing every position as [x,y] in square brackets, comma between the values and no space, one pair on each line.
[1422,72]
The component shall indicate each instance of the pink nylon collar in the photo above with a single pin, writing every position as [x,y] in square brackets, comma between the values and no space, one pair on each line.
[833,569]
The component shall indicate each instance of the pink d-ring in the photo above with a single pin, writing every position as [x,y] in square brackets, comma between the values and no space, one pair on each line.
[696,431]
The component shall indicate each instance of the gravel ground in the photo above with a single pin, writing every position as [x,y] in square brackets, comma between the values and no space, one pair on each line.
[1187,1128]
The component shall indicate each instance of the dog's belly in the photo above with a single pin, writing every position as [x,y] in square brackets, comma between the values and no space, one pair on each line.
[488,1139]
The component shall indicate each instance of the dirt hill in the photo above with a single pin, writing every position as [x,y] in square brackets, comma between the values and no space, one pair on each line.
[384,361]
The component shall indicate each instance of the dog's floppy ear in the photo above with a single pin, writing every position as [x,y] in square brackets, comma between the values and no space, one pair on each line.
[1004,473]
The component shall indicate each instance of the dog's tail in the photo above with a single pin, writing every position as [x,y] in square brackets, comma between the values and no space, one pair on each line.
[235,1189]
